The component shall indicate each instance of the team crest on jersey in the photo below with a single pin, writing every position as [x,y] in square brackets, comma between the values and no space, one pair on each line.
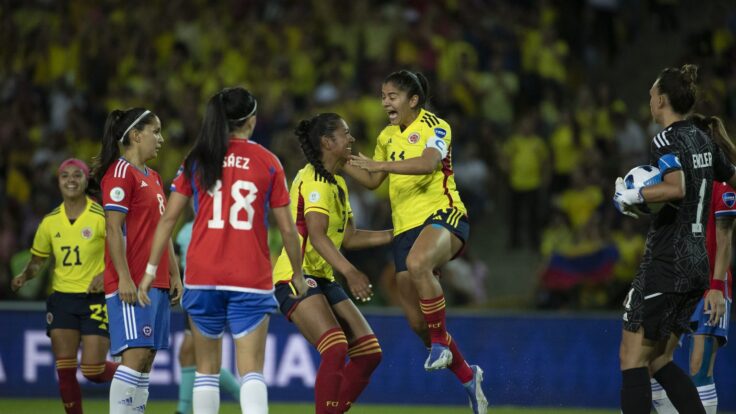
[117,194]
[413,138]
[729,199]
[311,282]
[147,330]
[49,318]
[87,233]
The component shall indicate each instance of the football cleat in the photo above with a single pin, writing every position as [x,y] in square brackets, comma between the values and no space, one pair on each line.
[439,357]
[474,388]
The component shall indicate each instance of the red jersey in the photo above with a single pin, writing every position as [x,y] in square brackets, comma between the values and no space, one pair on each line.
[140,196]
[722,204]
[229,246]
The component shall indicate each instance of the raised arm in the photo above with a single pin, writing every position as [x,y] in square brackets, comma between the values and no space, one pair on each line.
[369,180]
[422,165]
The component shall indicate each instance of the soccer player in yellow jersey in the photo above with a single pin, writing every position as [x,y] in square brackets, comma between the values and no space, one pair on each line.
[325,316]
[74,233]
[430,220]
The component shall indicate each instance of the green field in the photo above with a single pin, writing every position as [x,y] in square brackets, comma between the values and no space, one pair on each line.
[48,406]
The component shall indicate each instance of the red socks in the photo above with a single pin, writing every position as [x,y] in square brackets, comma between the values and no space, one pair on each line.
[100,373]
[71,394]
[459,366]
[365,355]
[333,347]
[434,313]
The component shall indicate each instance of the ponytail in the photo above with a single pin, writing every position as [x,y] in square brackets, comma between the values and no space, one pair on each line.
[717,132]
[227,110]
[117,131]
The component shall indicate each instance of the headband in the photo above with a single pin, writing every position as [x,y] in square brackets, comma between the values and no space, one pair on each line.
[255,105]
[122,137]
[76,163]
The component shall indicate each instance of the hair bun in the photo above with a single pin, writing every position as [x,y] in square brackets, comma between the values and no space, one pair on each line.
[303,127]
[689,73]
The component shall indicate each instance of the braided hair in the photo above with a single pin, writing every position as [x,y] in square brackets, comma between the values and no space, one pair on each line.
[310,132]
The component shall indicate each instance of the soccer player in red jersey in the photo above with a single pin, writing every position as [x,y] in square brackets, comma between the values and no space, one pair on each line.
[133,199]
[234,182]
[711,317]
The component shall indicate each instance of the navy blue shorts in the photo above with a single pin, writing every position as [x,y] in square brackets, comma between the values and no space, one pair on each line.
[450,218]
[333,291]
[83,312]
[700,325]
[242,312]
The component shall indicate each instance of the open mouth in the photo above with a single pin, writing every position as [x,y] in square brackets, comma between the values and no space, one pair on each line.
[393,116]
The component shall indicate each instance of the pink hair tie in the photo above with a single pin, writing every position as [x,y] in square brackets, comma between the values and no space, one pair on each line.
[75,162]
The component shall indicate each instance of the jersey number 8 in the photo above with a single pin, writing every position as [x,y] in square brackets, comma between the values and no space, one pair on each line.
[240,202]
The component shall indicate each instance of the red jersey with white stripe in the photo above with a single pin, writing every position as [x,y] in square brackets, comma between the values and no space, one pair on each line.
[140,195]
[229,247]
[723,204]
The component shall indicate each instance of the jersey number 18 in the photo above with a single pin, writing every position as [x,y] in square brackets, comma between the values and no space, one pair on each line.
[240,202]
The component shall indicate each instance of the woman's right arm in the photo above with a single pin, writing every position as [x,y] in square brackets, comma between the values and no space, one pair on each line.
[114,221]
[358,282]
[370,180]
[29,272]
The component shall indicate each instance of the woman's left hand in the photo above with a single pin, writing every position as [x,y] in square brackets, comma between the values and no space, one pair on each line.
[175,290]
[143,289]
[365,163]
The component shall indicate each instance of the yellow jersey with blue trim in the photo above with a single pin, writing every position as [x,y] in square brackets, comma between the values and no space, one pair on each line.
[78,247]
[414,198]
[310,192]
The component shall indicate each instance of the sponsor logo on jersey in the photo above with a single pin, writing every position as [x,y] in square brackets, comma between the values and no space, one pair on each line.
[147,330]
[440,132]
[314,196]
[143,184]
[117,194]
[58,235]
[87,233]
[729,199]
[413,138]
[311,282]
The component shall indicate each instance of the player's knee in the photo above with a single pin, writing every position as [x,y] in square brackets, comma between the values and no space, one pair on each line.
[418,265]
[630,358]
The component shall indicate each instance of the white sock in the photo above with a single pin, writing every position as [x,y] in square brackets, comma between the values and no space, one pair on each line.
[253,394]
[661,403]
[141,394]
[122,390]
[206,394]
[709,398]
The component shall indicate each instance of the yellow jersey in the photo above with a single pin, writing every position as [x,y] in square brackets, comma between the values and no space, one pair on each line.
[78,248]
[310,192]
[414,198]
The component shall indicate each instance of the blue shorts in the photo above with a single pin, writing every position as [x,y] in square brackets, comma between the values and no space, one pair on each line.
[132,326]
[700,326]
[211,310]
[450,218]
[333,291]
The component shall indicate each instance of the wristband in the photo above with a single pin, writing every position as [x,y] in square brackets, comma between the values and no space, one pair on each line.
[151,269]
[718,284]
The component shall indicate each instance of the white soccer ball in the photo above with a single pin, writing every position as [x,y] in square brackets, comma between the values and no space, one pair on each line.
[644,176]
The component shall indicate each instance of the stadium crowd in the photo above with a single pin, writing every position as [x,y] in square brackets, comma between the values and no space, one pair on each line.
[539,139]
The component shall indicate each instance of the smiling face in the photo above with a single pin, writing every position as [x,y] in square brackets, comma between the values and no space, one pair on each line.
[72,182]
[401,108]
[149,139]
[340,143]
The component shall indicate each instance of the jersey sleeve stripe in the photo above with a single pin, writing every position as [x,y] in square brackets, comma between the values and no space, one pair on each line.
[116,207]
[725,213]
[39,253]
[322,209]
